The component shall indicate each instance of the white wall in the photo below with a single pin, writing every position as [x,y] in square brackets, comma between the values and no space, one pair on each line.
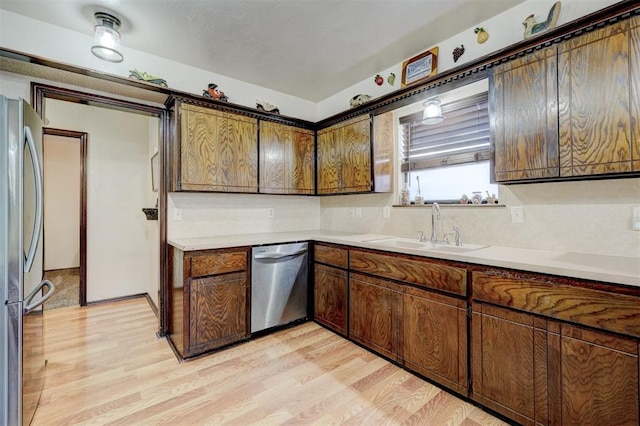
[61,202]
[223,214]
[59,44]
[504,30]
[118,245]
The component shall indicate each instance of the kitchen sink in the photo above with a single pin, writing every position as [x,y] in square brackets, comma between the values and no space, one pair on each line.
[401,242]
[424,245]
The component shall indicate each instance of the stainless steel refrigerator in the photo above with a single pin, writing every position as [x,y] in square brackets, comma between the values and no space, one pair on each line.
[22,289]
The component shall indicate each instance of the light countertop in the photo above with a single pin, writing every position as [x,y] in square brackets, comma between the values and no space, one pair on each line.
[612,269]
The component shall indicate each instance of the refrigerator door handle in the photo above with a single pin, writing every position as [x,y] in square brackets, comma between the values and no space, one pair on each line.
[29,305]
[37,227]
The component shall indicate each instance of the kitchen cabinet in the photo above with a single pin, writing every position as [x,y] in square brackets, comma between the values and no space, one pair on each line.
[434,336]
[330,298]
[209,300]
[344,157]
[331,287]
[593,378]
[599,84]
[569,110]
[395,313]
[375,314]
[523,111]
[549,352]
[287,159]
[509,362]
[216,151]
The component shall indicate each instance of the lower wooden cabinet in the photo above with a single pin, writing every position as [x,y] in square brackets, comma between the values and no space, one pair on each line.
[209,300]
[330,297]
[593,378]
[538,349]
[375,312]
[509,363]
[434,336]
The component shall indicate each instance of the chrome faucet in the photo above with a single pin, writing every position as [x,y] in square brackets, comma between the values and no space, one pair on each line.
[458,235]
[435,215]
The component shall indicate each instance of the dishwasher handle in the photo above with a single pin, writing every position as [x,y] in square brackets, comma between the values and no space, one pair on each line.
[275,255]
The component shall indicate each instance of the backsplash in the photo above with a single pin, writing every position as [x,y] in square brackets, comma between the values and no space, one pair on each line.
[222,214]
[586,217]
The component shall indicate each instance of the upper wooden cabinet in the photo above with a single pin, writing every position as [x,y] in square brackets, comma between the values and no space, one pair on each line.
[216,151]
[344,157]
[524,117]
[287,159]
[570,110]
[598,82]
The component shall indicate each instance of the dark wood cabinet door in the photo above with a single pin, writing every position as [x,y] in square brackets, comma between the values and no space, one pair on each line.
[523,106]
[435,337]
[218,311]
[595,117]
[356,142]
[594,378]
[375,309]
[635,91]
[274,141]
[287,159]
[509,363]
[329,161]
[330,297]
[344,157]
[218,151]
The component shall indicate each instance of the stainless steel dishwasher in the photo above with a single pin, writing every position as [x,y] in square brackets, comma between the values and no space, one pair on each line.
[279,276]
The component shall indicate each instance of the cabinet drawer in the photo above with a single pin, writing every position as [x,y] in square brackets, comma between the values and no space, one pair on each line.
[218,263]
[331,255]
[424,273]
[596,308]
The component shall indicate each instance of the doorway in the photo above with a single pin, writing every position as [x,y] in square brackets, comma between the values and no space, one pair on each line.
[65,213]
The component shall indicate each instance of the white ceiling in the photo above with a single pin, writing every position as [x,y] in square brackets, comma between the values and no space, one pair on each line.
[306,48]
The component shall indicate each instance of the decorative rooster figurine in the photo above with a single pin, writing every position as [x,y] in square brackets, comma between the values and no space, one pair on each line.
[531,27]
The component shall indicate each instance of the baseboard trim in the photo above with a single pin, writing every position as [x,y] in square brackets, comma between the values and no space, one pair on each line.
[154,308]
[117,299]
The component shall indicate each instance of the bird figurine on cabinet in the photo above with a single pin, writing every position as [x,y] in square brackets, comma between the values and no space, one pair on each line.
[532,27]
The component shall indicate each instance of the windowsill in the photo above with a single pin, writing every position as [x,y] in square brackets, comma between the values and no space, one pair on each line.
[458,205]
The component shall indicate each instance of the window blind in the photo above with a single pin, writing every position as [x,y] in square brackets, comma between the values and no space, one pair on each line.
[462,137]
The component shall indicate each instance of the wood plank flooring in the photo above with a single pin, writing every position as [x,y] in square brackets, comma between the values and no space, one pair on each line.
[106,367]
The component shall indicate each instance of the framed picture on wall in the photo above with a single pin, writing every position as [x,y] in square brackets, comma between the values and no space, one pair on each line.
[155,172]
[420,67]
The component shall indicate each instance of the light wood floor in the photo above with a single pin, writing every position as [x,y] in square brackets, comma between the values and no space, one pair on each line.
[106,366]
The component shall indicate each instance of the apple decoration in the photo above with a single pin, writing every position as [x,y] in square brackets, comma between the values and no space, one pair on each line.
[378,79]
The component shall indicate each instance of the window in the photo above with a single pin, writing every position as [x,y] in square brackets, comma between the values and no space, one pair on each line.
[450,158]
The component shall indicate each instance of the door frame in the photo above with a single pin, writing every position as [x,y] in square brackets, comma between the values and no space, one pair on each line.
[40,91]
[82,138]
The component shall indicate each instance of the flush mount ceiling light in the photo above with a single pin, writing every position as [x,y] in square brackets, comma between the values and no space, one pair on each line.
[106,40]
[432,113]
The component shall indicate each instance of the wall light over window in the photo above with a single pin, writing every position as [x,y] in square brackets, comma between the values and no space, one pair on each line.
[106,40]
[432,113]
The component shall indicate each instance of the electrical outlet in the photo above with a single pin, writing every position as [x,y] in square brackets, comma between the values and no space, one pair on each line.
[517,215]
[177,214]
[635,218]
[386,212]
[270,213]
[358,212]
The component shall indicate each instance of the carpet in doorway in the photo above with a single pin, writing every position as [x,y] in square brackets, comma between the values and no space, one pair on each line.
[67,282]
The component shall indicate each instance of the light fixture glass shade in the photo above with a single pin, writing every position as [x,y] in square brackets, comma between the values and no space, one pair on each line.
[432,113]
[106,39]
